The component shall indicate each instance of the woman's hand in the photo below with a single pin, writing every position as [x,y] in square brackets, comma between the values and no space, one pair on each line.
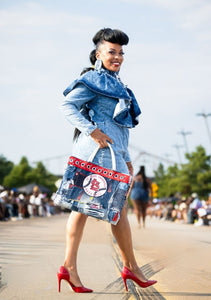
[130,167]
[101,138]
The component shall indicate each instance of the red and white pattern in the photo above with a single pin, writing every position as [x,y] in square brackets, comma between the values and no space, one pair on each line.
[88,166]
[95,185]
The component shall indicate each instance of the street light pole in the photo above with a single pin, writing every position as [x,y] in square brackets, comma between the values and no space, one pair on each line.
[184,133]
[205,116]
[178,152]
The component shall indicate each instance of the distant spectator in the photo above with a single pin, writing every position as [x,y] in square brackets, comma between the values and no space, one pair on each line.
[15,206]
[170,208]
[183,210]
[195,204]
[209,204]
[21,202]
[208,211]
[179,212]
[46,206]
[7,206]
[35,203]
[204,213]
[13,200]
[25,211]
[2,206]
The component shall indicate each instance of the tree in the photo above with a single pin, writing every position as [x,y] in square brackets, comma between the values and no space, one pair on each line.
[23,174]
[198,171]
[160,179]
[40,175]
[194,176]
[5,167]
[17,176]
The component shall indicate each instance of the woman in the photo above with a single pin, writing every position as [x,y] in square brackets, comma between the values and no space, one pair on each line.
[140,191]
[94,105]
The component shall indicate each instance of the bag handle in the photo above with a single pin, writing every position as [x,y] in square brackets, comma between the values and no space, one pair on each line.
[113,160]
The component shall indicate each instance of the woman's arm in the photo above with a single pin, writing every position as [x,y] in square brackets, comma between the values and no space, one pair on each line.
[71,106]
[131,186]
[130,167]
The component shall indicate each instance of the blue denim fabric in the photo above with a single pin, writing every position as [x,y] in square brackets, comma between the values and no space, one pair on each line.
[98,100]
[101,109]
[138,193]
[107,83]
[106,207]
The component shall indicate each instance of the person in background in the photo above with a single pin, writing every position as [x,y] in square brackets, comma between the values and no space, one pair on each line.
[13,199]
[7,206]
[195,204]
[3,194]
[141,193]
[204,212]
[35,203]
[20,206]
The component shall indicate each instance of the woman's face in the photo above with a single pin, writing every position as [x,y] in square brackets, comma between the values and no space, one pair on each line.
[111,56]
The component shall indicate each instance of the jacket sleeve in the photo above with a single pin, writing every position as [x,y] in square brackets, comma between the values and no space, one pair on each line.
[73,103]
[127,156]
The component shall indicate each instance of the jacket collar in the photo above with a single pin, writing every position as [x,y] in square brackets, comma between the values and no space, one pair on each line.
[107,83]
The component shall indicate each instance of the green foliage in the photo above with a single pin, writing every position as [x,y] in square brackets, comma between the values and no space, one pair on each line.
[194,176]
[161,180]
[5,167]
[17,176]
[40,175]
[23,174]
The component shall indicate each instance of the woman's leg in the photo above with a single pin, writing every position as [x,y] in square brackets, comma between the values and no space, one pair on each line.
[74,232]
[143,209]
[137,211]
[122,234]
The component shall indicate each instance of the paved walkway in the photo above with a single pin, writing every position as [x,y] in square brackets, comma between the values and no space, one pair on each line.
[177,255]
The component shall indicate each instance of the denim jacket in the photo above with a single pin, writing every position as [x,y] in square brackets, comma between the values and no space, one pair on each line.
[108,105]
[107,83]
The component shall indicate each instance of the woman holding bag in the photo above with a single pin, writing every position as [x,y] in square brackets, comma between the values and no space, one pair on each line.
[102,109]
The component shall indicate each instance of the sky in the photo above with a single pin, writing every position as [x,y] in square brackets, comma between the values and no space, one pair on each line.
[45,44]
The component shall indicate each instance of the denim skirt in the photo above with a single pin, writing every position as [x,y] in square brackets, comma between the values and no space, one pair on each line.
[85,146]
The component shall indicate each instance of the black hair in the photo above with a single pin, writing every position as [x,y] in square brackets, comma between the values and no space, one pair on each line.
[142,173]
[114,36]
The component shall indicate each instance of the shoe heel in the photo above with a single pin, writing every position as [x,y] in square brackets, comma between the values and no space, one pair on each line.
[124,279]
[59,283]
[63,274]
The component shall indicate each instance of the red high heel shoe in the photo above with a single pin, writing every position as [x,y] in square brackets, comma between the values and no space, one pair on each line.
[127,274]
[64,274]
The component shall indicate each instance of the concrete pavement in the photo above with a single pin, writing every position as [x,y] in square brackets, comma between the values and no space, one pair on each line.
[177,255]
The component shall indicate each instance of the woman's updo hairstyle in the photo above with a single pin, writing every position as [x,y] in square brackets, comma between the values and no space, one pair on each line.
[114,36]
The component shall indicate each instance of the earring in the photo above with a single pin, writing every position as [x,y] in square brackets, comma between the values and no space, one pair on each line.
[98,64]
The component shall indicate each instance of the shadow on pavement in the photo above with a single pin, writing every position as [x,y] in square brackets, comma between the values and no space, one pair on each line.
[186,295]
[117,286]
[114,288]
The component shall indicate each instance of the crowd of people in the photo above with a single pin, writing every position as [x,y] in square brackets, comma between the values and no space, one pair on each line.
[190,210]
[16,206]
